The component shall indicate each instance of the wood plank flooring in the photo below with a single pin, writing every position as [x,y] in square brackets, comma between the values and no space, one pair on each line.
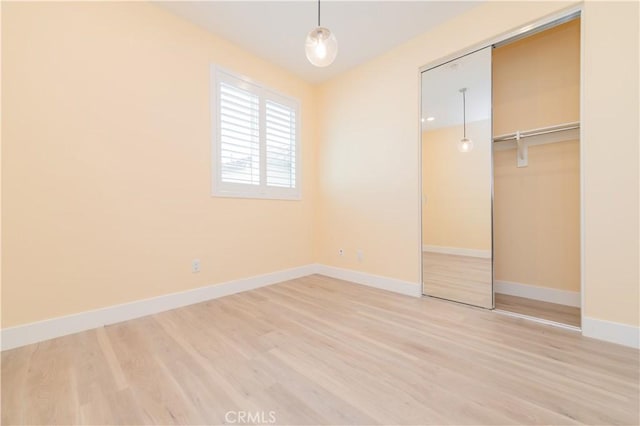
[535,308]
[321,351]
[463,279]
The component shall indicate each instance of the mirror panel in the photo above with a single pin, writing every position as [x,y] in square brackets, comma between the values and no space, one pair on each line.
[457,180]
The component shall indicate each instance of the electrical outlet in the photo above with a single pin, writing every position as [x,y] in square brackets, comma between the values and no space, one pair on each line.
[340,252]
[195,265]
[360,255]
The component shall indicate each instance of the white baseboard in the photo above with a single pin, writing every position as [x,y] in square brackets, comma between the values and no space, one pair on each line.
[14,337]
[485,254]
[614,332]
[21,335]
[545,294]
[377,281]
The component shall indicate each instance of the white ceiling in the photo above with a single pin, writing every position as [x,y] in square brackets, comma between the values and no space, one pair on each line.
[276,30]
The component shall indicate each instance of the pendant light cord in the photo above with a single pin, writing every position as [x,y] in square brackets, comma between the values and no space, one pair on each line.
[464,114]
[318,13]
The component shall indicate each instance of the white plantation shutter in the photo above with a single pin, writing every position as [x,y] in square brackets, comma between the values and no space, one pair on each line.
[239,136]
[256,140]
[280,145]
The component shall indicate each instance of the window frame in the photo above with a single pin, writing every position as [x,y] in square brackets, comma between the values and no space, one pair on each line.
[241,190]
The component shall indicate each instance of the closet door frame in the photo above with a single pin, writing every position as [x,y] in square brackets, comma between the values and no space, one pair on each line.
[510,36]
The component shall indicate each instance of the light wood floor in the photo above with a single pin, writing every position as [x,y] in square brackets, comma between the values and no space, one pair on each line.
[321,351]
[463,279]
[535,308]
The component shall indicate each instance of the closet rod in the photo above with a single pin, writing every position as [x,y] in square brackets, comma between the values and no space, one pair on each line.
[537,132]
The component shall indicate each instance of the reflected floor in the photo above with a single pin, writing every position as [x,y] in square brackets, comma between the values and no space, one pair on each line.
[463,279]
[535,308]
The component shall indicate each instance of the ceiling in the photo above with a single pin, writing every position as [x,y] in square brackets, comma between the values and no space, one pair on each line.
[276,30]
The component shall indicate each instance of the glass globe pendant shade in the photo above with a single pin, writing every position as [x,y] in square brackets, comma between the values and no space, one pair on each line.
[465,145]
[321,47]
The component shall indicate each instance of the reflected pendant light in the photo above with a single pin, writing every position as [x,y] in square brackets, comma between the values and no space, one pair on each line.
[321,45]
[465,144]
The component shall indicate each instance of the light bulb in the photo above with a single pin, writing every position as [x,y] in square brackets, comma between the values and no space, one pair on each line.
[321,50]
[321,47]
[465,145]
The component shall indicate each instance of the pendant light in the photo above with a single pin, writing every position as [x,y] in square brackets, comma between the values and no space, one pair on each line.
[321,45]
[465,144]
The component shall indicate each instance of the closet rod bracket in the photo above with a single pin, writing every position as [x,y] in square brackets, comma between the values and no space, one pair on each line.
[523,151]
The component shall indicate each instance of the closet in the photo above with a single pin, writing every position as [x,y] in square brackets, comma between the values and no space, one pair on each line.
[501,175]
[536,174]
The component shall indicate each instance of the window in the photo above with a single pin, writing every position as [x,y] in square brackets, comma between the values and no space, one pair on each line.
[256,146]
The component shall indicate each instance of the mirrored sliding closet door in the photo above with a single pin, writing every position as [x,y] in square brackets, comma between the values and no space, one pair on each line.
[456,180]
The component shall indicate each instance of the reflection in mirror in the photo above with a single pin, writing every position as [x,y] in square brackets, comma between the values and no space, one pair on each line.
[456,180]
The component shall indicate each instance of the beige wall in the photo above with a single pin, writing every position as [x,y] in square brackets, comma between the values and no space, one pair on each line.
[369,170]
[536,80]
[536,83]
[456,188]
[536,237]
[106,162]
[610,161]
